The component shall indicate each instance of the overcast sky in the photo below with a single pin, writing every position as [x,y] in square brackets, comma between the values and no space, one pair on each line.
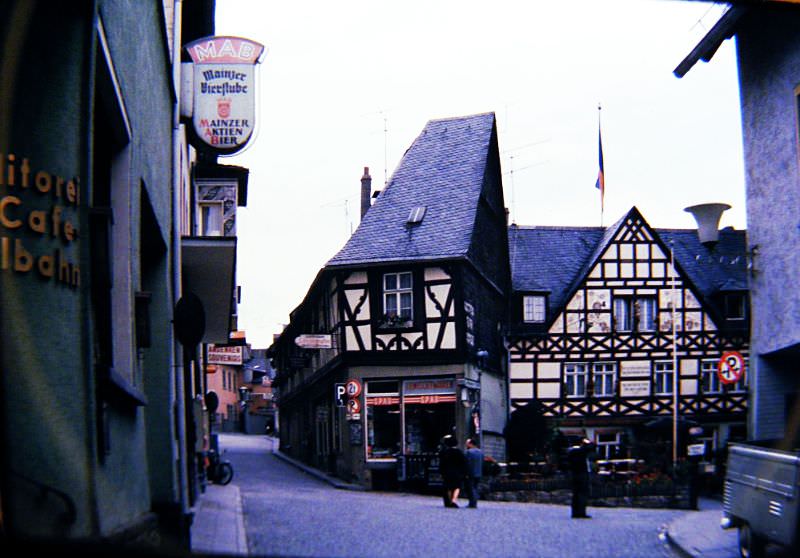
[349,84]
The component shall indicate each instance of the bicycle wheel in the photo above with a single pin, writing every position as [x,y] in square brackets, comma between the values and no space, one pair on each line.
[224,473]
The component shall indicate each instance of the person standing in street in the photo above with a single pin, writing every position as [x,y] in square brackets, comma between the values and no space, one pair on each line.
[453,467]
[578,458]
[474,457]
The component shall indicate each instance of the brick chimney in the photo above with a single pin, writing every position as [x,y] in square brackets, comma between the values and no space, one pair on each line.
[366,191]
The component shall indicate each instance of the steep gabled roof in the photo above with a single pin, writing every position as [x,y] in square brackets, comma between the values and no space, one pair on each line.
[550,259]
[443,171]
[556,260]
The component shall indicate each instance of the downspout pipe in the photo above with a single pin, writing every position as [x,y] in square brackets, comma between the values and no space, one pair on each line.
[177,350]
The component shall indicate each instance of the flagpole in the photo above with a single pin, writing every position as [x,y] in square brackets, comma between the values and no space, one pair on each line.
[600,172]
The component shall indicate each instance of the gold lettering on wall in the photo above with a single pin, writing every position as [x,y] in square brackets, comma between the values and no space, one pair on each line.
[23,228]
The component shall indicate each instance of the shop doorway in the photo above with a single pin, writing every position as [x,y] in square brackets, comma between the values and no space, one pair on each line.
[426,424]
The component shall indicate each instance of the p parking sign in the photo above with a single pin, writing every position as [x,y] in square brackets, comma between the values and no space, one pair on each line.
[339,395]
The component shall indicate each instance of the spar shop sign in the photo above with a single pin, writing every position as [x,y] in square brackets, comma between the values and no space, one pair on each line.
[224,96]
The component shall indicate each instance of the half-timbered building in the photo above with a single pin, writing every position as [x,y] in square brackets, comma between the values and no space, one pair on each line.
[407,317]
[607,323]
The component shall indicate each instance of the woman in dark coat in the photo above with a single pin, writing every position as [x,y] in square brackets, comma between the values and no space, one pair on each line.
[453,467]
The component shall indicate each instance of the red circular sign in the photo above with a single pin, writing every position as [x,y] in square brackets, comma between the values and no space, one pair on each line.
[353,406]
[353,388]
[731,367]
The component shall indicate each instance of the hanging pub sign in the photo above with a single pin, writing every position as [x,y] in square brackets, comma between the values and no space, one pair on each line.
[224,92]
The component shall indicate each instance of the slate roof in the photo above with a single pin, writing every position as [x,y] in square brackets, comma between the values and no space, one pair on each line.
[555,260]
[443,170]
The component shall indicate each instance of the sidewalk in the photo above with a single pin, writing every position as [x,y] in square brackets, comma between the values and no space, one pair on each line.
[697,534]
[218,526]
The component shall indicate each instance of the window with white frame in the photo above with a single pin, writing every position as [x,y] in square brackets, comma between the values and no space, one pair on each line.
[398,298]
[533,309]
[741,385]
[664,378]
[635,313]
[608,444]
[211,218]
[575,375]
[709,376]
[604,376]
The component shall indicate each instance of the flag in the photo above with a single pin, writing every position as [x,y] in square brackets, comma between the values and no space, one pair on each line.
[601,181]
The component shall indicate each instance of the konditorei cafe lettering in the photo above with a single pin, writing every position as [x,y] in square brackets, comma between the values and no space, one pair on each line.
[223,110]
[24,223]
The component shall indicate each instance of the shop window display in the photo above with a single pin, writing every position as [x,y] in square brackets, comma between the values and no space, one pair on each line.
[383,419]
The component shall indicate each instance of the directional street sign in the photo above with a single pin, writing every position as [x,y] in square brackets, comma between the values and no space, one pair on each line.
[314,341]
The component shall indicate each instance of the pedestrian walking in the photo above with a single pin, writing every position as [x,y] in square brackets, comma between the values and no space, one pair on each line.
[578,458]
[453,467]
[474,457]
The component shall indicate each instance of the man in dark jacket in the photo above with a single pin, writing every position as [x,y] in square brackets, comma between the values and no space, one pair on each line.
[578,458]
[453,467]
[474,457]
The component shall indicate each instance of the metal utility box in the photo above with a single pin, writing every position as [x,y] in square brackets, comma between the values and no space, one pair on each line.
[762,497]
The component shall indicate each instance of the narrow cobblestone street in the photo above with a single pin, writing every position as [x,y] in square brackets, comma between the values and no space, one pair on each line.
[288,512]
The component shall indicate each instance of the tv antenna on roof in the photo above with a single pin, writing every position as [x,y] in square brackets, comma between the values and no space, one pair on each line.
[385,148]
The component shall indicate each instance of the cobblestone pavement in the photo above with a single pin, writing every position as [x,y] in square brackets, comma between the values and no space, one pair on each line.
[290,513]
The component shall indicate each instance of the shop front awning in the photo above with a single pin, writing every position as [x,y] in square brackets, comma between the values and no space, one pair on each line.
[208,269]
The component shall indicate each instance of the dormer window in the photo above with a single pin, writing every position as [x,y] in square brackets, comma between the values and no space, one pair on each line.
[416,215]
[398,299]
[734,306]
[533,309]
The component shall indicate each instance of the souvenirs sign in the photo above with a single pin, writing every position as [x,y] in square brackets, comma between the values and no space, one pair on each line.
[224,100]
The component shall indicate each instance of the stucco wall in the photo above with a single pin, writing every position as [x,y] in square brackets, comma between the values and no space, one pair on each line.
[769,66]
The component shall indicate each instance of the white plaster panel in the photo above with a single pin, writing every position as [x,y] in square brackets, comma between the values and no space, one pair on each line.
[440,292]
[642,270]
[688,367]
[449,337]
[626,251]
[433,334]
[411,338]
[435,274]
[642,251]
[577,301]
[694,321]
[688,387]
[521,391]
[521,370]
[610,269]
[353,296]
[356,278]
[558,325]
[386,339]
[626,270]
[548,390]
[366,336]
[548,370]
[350,339]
